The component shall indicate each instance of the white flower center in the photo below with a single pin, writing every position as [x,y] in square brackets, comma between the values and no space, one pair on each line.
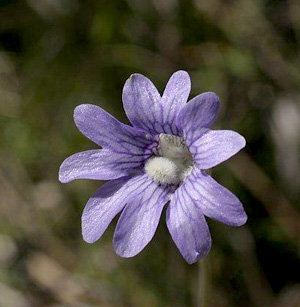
[174,162]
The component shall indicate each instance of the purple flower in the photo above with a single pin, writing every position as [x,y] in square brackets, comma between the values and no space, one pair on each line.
[161,158]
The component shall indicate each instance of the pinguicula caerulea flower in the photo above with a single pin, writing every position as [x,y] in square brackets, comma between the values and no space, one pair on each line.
[161,159]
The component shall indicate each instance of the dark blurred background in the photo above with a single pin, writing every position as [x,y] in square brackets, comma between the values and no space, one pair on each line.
[56,54]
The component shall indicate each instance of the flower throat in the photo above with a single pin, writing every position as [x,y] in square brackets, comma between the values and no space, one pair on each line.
[173,162]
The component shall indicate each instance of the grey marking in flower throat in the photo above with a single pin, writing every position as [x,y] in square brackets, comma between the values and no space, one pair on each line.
[174,162]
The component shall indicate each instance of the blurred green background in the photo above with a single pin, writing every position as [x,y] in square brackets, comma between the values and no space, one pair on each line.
[56,54]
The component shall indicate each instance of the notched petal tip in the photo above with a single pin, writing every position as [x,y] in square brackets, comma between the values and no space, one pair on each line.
[87,235]
[67,169]
[182,73]
[82,109]
[241,221]
[61,179]
[179,80]
[62,176]
[82,113]
[243,141]
[87,230]
[191,259]
[239,142]
[123,252]
[134,84]
[211,95]
[135,77]
[87,239]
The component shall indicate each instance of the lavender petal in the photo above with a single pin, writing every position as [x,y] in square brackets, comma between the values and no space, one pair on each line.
[200,112]
[214,200]
[103,129]
[188,227]
[213,146]
[108,201]
[139,220]
[146,109]
[175,98]
[98,164]
[142,103]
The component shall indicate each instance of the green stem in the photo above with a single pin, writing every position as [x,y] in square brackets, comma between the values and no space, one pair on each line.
[203,282]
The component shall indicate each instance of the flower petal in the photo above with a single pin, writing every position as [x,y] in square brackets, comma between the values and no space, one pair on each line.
[142,103]
[175,98]
[103,129]
[139,220]
[108,201]
[146,109]
[188,227]
[214,200]
[99,164]
[214,146]
[200,112]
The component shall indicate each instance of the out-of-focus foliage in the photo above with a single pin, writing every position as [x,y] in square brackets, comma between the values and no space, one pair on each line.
[56,54]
